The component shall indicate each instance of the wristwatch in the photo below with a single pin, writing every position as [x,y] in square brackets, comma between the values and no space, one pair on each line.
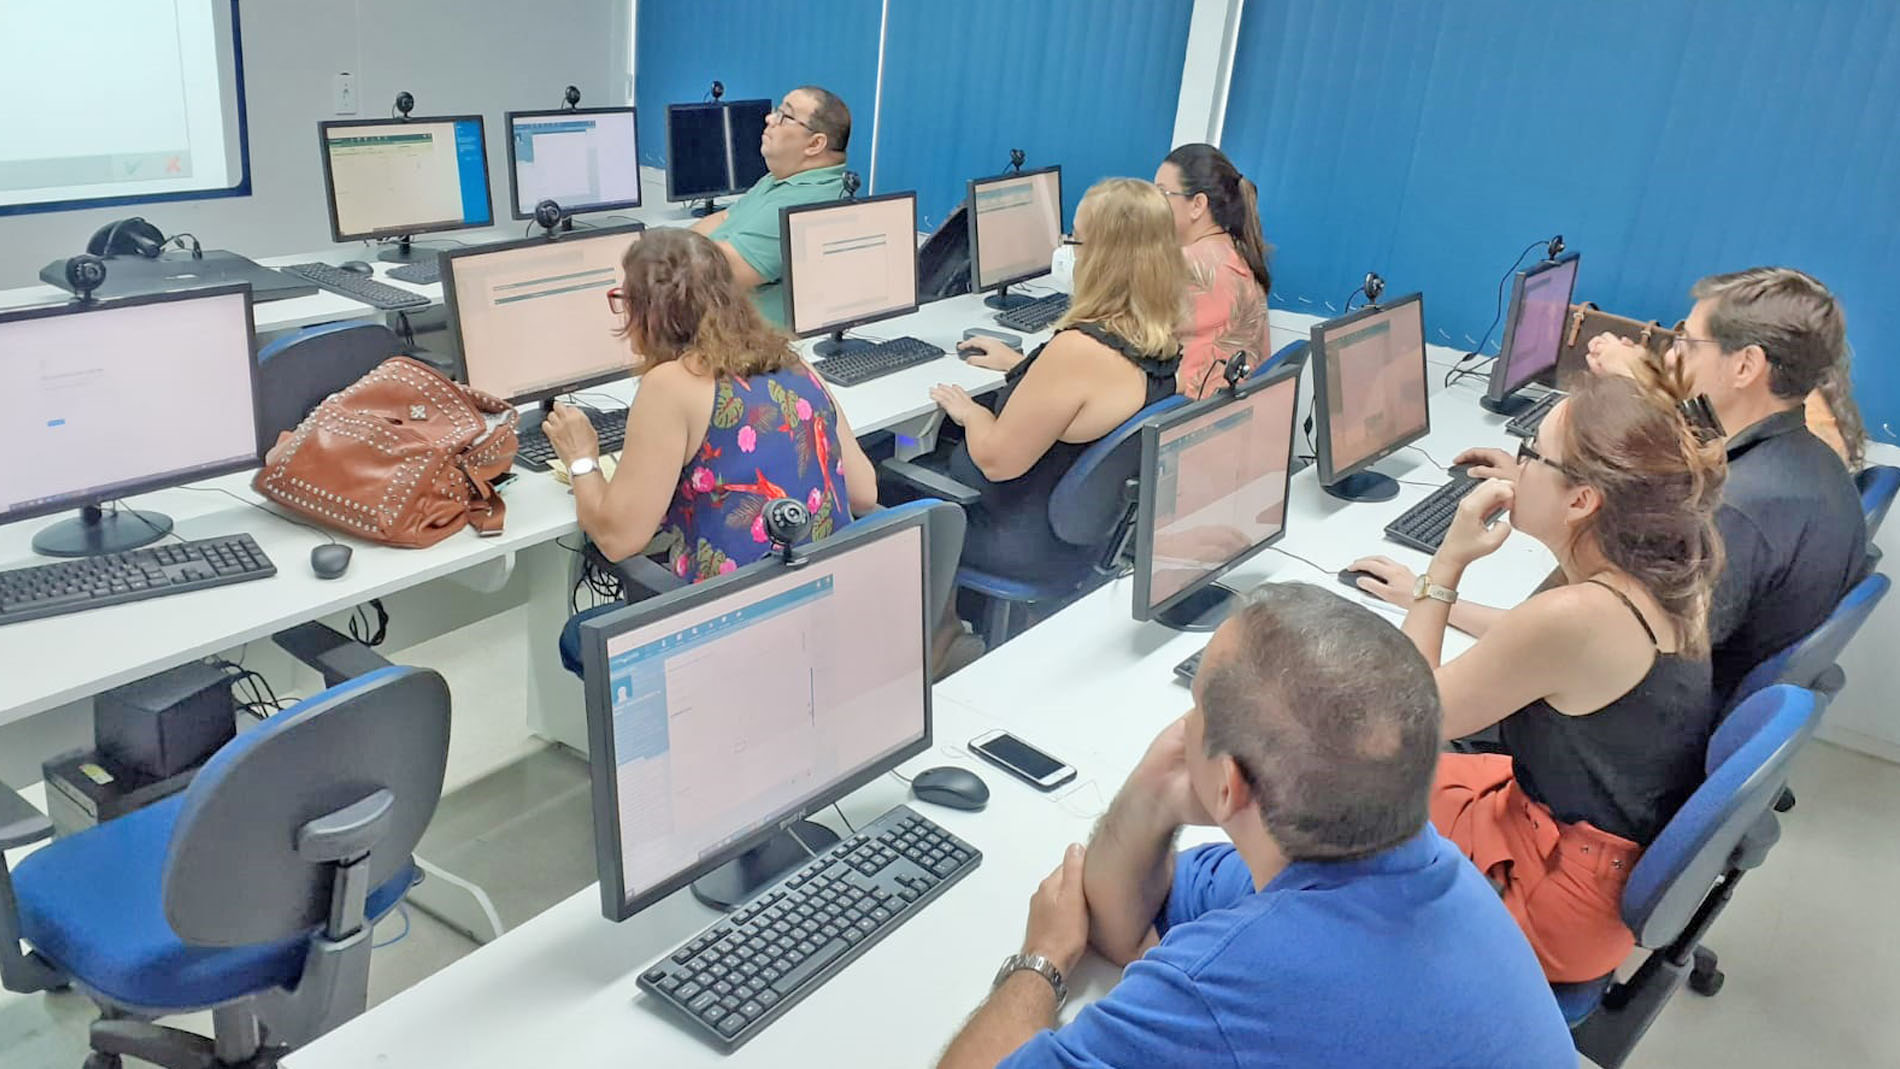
[1425,588]
[583,466]
[1037,964]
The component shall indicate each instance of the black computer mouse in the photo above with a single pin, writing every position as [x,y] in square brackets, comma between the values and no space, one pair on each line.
[947,785]
[356,267]
[1460,471]
[1351,576]
[330,560]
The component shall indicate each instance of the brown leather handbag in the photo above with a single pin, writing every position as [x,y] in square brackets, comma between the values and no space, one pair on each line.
[1587,321]
[402,456]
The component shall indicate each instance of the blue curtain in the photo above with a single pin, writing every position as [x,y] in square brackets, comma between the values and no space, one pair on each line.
[758,48]
[1665,139]
[1089,84]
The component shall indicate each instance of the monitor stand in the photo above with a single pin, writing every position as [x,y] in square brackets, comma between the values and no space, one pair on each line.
[837,343]
[1003,300]
[1364,486]
[1510,406]
[1202,610]
[95,532]
[406,252]
[733,883]
[704,208]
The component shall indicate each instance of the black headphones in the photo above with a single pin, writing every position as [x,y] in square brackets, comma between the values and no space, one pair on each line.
[127,237]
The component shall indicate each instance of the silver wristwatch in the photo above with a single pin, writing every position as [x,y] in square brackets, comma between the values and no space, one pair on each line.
[1037,964]
[583,466]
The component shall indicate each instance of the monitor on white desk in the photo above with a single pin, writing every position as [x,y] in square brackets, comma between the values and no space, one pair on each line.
[388,178]
[848,263]
[1533,331]
[584,159]
[1370,396]
[1015,226]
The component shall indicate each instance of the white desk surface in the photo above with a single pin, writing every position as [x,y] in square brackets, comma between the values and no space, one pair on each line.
[1089,684]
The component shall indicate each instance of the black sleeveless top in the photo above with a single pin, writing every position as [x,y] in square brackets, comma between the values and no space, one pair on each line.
[1008,531]
[1627,767]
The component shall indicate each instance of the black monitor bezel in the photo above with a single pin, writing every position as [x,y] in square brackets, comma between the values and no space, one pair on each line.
[732,148]
[1498,386]
[1319,359]
[1151,432]
[789,279]
[329,179]
[514,177]
[673,195]
[615,903]
[976,250]
[162,480]
[446,259]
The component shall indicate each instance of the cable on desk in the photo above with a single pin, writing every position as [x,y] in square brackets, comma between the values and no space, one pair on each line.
[1302,560]
[1429,458]
[328,538]
[847,820]
[359,625]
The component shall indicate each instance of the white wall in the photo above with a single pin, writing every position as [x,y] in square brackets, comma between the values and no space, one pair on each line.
[1213,31]
[457,56]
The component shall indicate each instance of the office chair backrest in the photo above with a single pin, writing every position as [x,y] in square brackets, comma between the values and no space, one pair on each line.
[1091,497]
[233,875]
[297,371]
[1878,484]
[944,523]
[1803,663]
[1755,747]
[943,261]
[1293,350]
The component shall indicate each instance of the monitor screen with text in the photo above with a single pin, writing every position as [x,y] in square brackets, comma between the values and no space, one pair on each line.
[1535,331]
[1374,382]
[740,709]
[96,403]
[1220,484]
[850,262]
[387,179]
[582,160]
[532,317]
[1015,226]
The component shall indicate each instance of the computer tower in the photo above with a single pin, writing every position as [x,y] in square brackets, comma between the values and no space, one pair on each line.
[164,724]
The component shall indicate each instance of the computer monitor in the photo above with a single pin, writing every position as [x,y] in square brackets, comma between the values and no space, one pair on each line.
[584,159]
[848,263]
[389,178]
[720,713]
[747,124]
[530,318]
[1369,394]
[1213,493]
[714,149]
[1533,331]
[1015,226]
[105,401]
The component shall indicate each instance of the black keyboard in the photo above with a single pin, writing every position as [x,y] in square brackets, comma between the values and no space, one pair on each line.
[358,287]
[1525,423]
[148,572]
[863,365]
[1188,669]
[418,272]
[1423,526]
[536,453]
[1036,315]
[739,975]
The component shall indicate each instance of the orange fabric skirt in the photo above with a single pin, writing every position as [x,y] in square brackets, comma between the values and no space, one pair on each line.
[1563,882]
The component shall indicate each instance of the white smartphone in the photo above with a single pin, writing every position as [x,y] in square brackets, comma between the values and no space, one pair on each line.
[1022,760]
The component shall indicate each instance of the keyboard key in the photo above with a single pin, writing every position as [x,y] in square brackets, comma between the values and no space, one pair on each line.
[733,1024]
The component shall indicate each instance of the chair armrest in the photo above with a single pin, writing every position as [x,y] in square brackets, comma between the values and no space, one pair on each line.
[336,656]
[20,970]
[934,483]
[20,823]
[1831,682]
[640,575]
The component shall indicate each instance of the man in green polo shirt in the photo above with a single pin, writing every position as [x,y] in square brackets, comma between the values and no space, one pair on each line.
[804,146]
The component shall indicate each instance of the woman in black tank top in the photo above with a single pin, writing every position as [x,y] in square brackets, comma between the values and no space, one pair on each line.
[1599,685]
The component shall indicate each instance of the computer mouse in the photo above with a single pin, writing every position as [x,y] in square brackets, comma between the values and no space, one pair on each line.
[330,560]
[947,785]
[356,267]
[1351,576]
[1460,471]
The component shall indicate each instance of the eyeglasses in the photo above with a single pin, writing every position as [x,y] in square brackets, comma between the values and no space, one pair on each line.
[1683,342]
[1528,452]
[784,116]
[1069,239]
[617,300]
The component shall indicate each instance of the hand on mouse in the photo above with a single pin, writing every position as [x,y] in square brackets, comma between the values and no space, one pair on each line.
[1487,463]
[1058,926]
[1389,580]
[1470,537]
[988,353]
[570,433]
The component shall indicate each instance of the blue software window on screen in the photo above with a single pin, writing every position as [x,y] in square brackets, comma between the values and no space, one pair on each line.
[472,160]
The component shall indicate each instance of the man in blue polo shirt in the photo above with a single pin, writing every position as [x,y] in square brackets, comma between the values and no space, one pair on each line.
[1338,929]
[804,145]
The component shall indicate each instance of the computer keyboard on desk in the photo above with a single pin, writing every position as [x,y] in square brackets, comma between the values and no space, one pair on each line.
[742,973]
[1423,526]
[1525,423]
[862,365]
[536,453]
[1188,669]
[1036,315]
[358,287]
[82,583]
[418,272]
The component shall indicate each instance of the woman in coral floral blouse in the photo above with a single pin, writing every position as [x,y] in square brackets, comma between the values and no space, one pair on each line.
[1218,224]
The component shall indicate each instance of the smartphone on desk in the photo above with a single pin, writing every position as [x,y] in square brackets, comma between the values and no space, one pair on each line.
[1022,760]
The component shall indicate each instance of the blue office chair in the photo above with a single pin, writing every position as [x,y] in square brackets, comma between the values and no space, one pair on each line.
[1811,661]
[1293,350]
[251,893]
[1688,874]
[297,371]
[1088,509]
[1878,484]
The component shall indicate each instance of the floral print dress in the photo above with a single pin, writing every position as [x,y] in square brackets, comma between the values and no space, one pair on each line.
[772,435]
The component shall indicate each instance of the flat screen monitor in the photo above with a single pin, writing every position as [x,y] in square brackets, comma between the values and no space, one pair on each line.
[109,400]
[1015,226]
[385,178]
[1534,328]
[585,160]
[849,262]
[714,149]
[530,318]
[1369,394]
[1213,493]
[719,713]
[746,121]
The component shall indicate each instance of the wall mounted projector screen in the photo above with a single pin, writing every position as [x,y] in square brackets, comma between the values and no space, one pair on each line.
[120,102]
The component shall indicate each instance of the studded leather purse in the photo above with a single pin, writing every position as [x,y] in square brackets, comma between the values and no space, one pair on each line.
[1587,321]
[403,456]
